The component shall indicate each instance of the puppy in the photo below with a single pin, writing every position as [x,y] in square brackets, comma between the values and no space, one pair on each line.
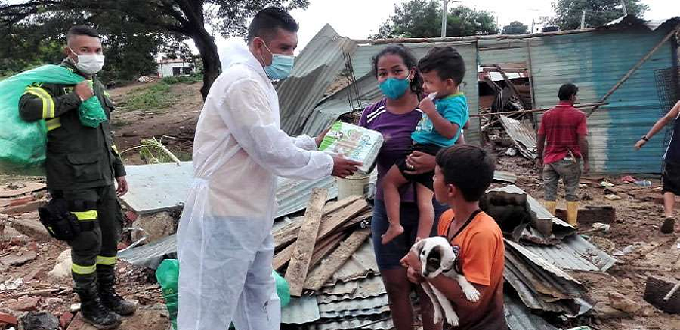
[439,257]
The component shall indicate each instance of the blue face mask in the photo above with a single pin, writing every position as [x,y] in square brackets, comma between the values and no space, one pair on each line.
[280,67]
[395,88]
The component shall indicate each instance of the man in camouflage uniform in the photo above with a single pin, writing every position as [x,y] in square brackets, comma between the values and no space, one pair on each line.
[81,165]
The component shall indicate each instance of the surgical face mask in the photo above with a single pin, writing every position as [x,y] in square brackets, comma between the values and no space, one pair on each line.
[395,88]
[89,63]
[280,67]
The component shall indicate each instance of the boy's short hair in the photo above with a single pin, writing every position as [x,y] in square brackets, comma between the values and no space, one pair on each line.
[268,20]
[567,91]
[446,61]
[467,167]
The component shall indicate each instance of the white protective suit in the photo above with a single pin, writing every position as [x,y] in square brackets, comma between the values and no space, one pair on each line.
[225,245]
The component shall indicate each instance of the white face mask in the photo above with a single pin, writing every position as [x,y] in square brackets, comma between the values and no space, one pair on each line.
[89,63]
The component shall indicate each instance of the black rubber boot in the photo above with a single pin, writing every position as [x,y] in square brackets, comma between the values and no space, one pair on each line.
[94,312]
[106,280]
[668,226]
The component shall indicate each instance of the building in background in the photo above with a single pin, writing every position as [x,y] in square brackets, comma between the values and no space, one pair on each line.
[175,67]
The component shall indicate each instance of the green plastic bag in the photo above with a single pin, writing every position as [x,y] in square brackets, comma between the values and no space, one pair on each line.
[23,144]
[167,276]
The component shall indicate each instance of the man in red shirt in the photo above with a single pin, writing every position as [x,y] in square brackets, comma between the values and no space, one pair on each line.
[561,147]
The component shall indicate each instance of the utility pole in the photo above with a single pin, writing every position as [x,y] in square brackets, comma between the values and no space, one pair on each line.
[444,18]
[625,10]
[445,14]
[583,20]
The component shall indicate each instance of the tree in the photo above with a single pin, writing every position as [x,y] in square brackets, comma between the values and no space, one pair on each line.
[170,18]
[598,12]
[515,27]
[422,19]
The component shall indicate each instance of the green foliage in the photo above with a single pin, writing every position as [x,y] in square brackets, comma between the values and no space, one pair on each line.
[191,79]
[156,97]
[598,12]
[422,18]
[516,27]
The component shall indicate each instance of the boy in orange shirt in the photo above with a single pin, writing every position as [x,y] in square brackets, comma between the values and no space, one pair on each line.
[462,175]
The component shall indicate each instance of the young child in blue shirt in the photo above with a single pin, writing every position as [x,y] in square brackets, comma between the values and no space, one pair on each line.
[445,112]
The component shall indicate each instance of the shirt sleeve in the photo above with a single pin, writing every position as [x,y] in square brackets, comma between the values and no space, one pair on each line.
[246,112]
[305,142]
[456,112]
[478,256]
[38,103]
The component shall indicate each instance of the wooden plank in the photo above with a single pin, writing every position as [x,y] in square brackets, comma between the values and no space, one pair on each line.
[304,246]
[328,245]
[282,258]
[321,274]
[337,219]
[288,234]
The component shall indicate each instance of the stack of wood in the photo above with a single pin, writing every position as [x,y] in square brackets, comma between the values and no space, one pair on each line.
[313,248]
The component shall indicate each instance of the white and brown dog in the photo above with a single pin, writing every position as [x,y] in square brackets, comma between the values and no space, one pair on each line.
[439,257]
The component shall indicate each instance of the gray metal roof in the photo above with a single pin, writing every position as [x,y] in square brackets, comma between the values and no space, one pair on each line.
[359,266]
[376,322]
[315,69]
[574,253]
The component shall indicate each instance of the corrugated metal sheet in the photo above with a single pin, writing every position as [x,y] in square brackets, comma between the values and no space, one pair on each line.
[362,93]
[595,61]
[359,289]
[540,284]
[151,255]
[293,195]
[357,307]
[519,317]
[379,322]
[300,311]
[317,66]
[574,253]
[522,134]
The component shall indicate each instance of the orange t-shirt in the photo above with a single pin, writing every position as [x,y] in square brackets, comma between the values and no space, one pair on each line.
[482,259]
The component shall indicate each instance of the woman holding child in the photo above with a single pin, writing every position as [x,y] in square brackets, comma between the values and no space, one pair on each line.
[396,117]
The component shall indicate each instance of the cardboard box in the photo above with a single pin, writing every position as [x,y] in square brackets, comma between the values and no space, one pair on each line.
[353,142]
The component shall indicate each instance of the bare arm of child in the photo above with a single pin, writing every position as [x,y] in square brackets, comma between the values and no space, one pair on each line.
[442,125]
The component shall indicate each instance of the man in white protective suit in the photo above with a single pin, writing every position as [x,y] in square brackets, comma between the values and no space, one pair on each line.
[225,244]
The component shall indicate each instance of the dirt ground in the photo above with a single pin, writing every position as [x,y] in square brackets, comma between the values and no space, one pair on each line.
[647,252]
[637,225]
[174,125]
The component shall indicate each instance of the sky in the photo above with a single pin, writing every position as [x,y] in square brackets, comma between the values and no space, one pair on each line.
[357,19]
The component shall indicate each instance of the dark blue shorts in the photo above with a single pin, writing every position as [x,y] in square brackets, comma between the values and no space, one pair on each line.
[387,256]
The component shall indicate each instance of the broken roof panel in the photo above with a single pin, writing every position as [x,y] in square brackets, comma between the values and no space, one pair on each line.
[575,253]
[300,310]
[315,69]
[151,255]
[522,134]
[165,186]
